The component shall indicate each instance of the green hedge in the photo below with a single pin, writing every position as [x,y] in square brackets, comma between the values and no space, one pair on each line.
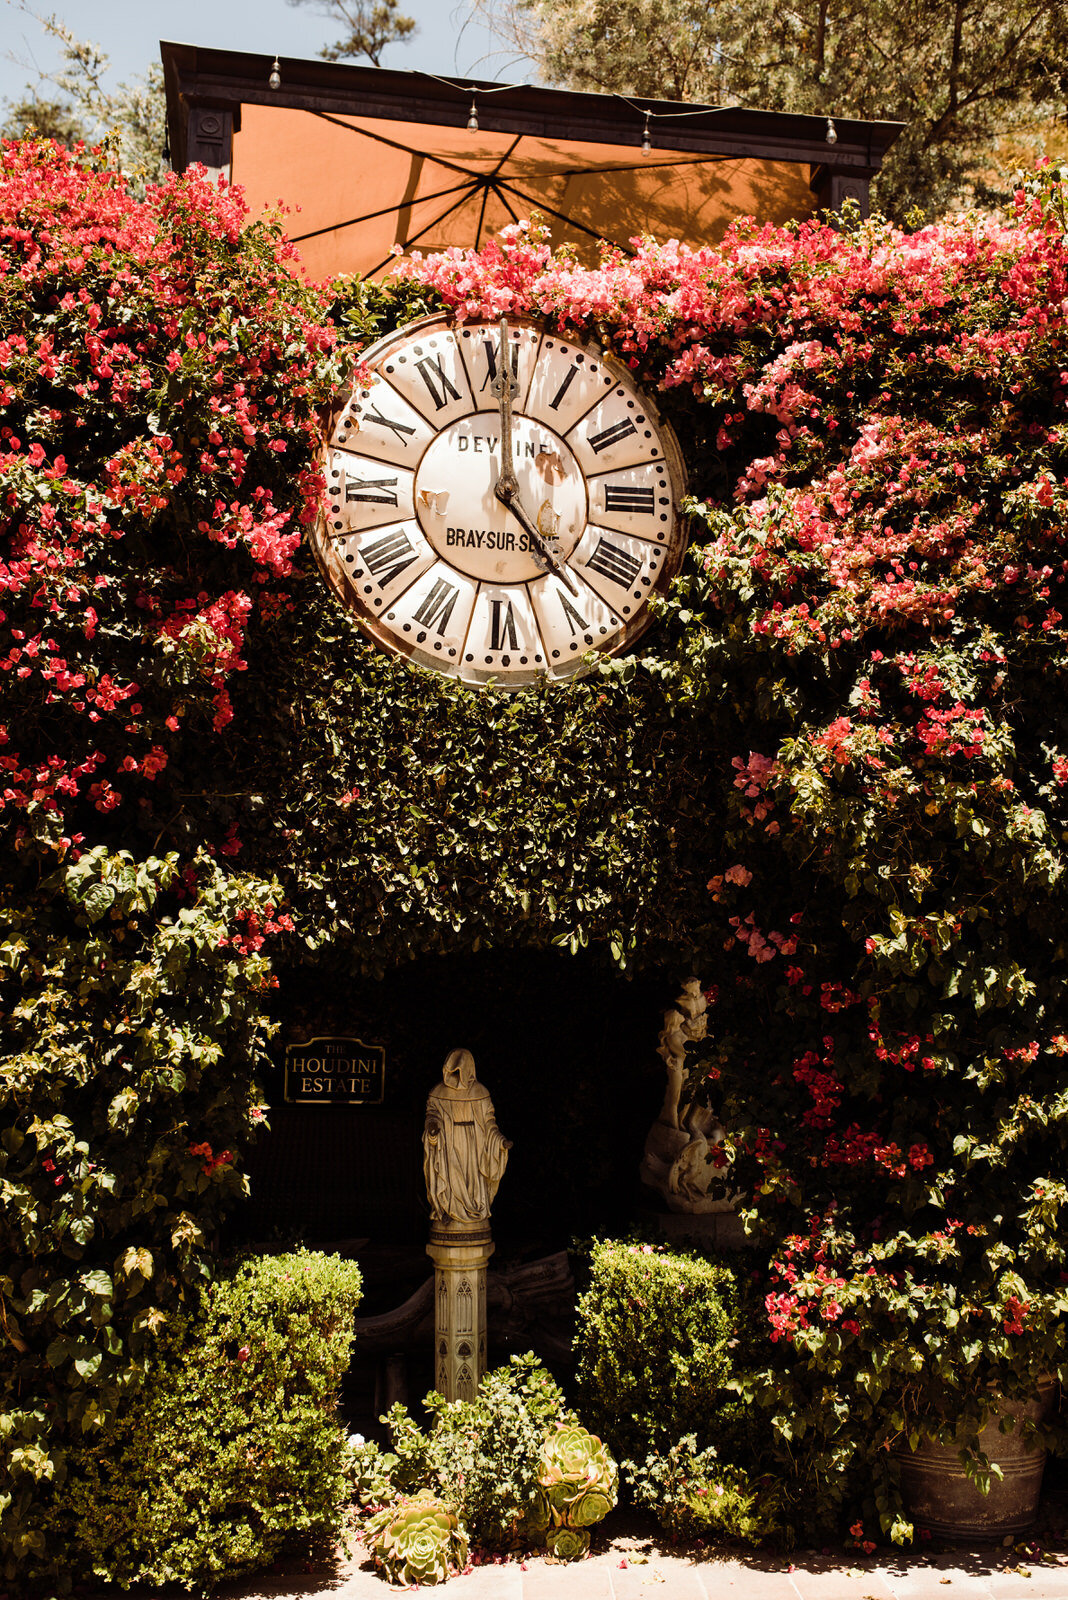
[231,1446]
[657,1329]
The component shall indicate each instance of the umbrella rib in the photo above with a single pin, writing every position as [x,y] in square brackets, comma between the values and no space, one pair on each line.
[562,216]
[503,198]
[482,213]
[562,172]
[642,166]
[506,157]
[394,144]
[369,216]
[417,236]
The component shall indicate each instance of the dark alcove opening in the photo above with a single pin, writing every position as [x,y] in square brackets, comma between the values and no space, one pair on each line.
[566,1047]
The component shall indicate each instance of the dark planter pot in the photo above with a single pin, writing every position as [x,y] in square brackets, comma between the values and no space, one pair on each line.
[938,1495]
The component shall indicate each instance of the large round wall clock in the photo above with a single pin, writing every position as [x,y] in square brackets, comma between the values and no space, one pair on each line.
[500,501]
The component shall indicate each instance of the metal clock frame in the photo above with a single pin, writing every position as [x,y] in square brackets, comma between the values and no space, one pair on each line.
[338,580]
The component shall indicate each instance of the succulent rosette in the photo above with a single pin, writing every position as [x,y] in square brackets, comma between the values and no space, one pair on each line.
[568,1544]
[419,1540]
[578,1477]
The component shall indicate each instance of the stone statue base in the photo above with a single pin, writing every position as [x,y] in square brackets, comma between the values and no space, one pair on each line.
[676,1165]
[460,1252]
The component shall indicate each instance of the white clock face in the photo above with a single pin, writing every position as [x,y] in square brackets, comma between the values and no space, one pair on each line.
[438,563]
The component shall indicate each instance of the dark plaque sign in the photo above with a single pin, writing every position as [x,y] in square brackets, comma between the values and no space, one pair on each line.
[335,1072]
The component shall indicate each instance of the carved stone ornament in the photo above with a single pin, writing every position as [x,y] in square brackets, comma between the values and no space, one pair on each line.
[678,1149]
[464,1153]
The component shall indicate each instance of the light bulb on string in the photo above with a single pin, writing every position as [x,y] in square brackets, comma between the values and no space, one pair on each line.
[472,121]
[275,79]
[832,132]
[647,143]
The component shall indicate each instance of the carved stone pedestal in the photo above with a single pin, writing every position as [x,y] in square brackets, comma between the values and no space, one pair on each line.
[459,1251]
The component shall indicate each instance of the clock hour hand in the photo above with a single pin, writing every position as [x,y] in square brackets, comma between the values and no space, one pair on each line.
[507,493]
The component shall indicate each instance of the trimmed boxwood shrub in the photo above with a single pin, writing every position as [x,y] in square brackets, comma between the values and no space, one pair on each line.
[231,1446]
[656,1333]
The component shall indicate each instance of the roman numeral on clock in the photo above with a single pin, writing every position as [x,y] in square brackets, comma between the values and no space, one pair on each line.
[438,605]
[628,497]
[573,617]
[387,557]
[612,435]
[376,491]
[614,563]
[569,378]
[491,361]
[437,380]
[398,428]
[502,629]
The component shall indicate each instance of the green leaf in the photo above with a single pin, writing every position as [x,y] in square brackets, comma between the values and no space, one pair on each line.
[98,900]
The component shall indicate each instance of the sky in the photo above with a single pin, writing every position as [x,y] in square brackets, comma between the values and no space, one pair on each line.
[129,32]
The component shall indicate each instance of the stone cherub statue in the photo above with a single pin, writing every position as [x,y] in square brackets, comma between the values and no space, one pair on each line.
[464,1152]
[678,1148]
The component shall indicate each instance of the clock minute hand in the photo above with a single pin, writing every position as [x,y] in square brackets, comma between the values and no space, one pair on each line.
[506,488]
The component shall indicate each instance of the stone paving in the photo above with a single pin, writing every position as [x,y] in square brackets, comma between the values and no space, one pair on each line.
[631,1568]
